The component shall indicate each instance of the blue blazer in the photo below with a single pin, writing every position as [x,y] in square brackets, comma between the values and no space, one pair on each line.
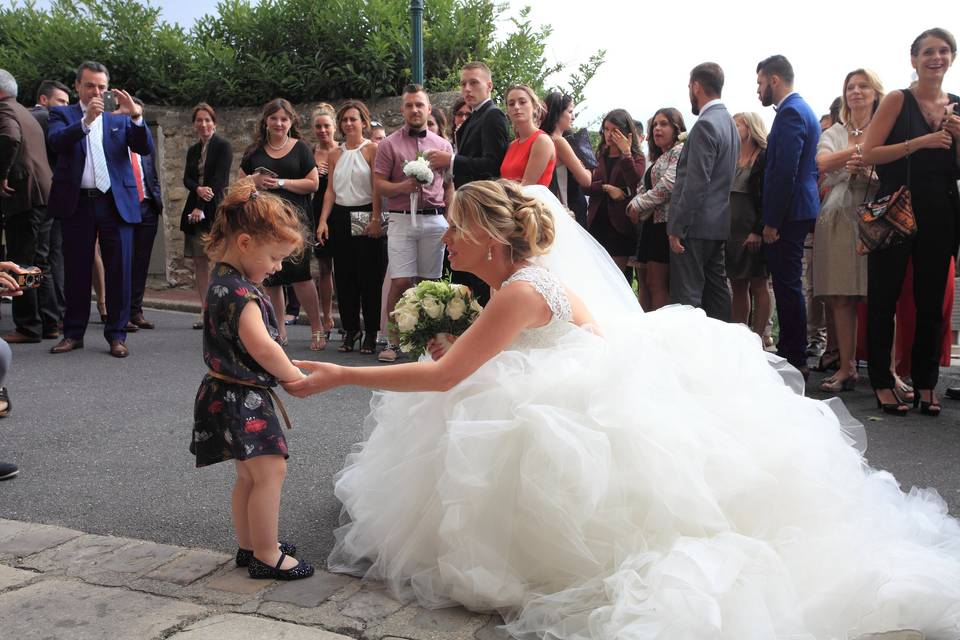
[790,179]
[66,136]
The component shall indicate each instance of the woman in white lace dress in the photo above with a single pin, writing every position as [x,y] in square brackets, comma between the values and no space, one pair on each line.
[590,471]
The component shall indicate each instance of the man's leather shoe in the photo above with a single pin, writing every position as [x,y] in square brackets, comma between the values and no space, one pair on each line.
[141,322]
[953,393]
[131,328]
[16,337]
[67,344]
[118,349]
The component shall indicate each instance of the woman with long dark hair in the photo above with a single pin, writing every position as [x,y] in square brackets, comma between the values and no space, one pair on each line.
[570,176]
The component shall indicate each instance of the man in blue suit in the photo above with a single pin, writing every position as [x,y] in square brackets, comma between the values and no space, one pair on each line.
[790,200]
[94,194]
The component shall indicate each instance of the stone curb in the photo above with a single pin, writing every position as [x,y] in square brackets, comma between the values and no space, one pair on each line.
[63,583]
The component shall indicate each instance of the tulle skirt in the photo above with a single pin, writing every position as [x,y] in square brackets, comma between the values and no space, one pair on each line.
[660,482]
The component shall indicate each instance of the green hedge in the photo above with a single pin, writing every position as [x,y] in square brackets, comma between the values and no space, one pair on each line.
[302,50]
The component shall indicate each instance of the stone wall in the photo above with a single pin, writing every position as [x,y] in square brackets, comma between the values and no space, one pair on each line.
[173,133]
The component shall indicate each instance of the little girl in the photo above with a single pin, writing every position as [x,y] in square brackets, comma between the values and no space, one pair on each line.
[234,414]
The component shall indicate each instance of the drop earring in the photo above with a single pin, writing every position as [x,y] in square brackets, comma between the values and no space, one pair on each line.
[489,254]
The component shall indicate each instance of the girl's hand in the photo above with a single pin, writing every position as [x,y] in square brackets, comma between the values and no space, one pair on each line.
[322,376]
[633,211]
[436,348]
[323,233]
[622,142]
[206,193]
[195,216]
[753,242]
[615,193]
[374,228]
[952,125]
[323,168]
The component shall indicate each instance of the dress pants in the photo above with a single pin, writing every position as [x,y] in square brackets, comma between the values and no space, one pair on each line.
[785,263]
[359,266]
[50,260]
[97,217]
[143,235]
[698,277]
[22,231]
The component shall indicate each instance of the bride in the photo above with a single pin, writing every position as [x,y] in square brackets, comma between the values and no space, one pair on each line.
[593,472]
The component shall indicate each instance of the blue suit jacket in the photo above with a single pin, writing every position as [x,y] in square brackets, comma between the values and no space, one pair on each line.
[790,180]
[66,136]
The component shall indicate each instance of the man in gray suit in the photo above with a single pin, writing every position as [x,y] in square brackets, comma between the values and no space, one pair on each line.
[699,220]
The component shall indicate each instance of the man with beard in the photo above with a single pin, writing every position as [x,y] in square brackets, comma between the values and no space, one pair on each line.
[699,220]
[790,200]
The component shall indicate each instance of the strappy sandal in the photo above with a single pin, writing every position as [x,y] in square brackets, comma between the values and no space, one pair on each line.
[319,340]
[898,408]
[5,399]
[258,570]
[350,340]
[369,344]
[931,408]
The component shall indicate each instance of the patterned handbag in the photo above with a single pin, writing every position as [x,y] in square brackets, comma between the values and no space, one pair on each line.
[887,221]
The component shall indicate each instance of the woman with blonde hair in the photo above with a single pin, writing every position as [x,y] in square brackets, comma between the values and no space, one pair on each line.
[324,129]
[744,259]
[839,272]
[531,157]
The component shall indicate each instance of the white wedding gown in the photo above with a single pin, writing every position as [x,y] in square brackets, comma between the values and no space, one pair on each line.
[659,482]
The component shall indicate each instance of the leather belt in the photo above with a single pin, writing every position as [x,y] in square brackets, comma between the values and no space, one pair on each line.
[245,383]
[439,211]
[92,193]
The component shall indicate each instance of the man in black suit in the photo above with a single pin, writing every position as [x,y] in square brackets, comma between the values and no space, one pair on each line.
[151,206]
[51,93]
[25,179]
[481,144]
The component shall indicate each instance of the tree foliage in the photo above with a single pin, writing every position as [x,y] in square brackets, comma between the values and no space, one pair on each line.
[302,50]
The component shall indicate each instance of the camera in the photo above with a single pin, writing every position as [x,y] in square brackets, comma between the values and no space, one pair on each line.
[30,280]
[109,101]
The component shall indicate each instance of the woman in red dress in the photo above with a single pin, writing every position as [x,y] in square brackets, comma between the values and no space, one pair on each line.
[532,156]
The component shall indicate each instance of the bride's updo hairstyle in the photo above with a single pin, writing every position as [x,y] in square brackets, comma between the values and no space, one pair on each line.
[504,211]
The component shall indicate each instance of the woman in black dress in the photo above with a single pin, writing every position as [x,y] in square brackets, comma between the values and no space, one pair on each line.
[323,128]
[912,140]
[206,176]
[279,161]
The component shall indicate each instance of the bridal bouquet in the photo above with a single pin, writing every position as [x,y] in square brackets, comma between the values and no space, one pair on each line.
[419,169]
[430,310]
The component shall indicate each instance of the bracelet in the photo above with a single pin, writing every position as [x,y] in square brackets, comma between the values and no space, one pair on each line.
[906,145]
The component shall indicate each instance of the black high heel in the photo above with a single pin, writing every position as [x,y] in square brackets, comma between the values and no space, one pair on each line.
[258,570]
[369,343]
[244,556]
[350,340]
[931,408]
[897,408]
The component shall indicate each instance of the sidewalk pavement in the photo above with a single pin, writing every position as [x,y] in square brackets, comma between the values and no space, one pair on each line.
[58,583]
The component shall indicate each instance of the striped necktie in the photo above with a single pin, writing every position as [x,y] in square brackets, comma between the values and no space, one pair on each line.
[101,175]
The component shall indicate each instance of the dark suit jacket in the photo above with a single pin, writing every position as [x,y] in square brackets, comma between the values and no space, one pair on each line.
[43,117]
[216,175]
[700,202]
[151,182]
[482,142]
[626,174]
[790,182]
[69,141]
[23,159]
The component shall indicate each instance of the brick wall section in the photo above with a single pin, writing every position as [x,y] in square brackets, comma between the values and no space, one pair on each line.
[173,133]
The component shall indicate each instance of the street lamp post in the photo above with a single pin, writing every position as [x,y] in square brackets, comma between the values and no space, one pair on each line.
[416,32]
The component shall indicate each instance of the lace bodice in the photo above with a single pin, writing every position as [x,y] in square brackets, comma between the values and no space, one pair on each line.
[548,286]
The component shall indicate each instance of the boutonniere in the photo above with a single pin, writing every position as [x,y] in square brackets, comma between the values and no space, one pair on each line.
[682,137]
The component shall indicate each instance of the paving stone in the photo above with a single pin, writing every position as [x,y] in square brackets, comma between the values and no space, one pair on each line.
[492,630]
[236,580]
[10,577]
[66,609]
[326,615]
[72,557]
[10,528]
[189,567]
[309,592]
[239,627]
[904,634]
[138,558]
[369,605]
[35,539]
[416,623]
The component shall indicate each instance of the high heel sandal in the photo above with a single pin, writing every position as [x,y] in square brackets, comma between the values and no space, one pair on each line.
[931,408]
[898,408]
[261,571]
[369,344]
[319,341]
[833,385]
[350,339]
[244,556]
[829,361]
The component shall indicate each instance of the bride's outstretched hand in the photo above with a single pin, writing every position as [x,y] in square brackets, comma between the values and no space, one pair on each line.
[321,376]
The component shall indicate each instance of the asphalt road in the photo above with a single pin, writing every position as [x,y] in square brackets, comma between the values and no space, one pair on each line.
[102,443]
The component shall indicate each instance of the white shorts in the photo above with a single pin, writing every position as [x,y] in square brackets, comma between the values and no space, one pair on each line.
[415,251]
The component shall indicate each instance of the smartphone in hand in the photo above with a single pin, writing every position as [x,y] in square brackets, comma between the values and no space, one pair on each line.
[266,172]
[109,101]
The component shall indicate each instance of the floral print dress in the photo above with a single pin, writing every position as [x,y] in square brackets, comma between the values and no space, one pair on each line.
[234,420]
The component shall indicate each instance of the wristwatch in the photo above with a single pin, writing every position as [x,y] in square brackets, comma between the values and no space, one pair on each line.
[281,182]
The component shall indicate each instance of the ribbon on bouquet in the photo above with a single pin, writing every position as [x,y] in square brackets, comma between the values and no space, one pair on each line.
[414,200]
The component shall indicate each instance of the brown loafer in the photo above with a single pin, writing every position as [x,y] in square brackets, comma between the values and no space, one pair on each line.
[67,344]
[16,337]
[118,349]
[131,328]
[141,322]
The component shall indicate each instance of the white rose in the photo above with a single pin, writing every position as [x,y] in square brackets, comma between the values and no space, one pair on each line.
[456,308]
[406,321]
[432,307]
[475,306]
[460,290]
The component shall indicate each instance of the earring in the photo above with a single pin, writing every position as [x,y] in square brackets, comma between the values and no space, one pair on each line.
[489,254]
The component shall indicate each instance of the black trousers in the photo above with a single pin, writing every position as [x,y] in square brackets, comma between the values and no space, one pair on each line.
[359,266]
[143,235]
[50,259]
[937,211]
[22,231]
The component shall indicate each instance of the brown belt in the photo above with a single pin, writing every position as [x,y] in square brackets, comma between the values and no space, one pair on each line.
[244,383]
